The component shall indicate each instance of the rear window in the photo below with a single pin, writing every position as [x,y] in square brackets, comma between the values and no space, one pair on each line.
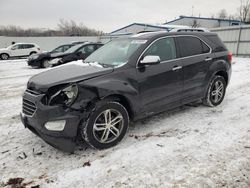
[219,46]
[190,46]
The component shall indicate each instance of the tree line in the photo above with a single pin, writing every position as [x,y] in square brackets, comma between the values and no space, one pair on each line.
[243,12]
[64,28]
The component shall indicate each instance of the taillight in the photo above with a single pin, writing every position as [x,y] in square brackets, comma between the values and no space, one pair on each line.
[230,57]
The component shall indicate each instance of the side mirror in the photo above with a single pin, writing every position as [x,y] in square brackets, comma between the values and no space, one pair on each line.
[150,60]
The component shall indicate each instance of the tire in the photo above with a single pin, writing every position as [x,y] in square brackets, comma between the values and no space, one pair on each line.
[4,56]
[216,91]
[46,64]
[105,135]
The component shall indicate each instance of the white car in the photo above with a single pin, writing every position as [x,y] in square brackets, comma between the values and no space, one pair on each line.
[19,50]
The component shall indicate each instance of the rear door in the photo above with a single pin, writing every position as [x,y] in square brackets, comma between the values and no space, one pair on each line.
[160,85]
[26,49]
[196,57]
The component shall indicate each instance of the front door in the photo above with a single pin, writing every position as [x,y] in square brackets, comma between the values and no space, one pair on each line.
[160,85]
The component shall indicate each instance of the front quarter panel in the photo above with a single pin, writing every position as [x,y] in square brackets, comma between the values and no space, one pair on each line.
[116,83]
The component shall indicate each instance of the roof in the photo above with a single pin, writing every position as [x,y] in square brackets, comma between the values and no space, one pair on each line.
[142,24]
[157,34]
[201,18]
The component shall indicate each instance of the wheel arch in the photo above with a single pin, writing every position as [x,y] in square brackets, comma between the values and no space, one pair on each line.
[124,101]
[33,52]
[1,53]
[224,74]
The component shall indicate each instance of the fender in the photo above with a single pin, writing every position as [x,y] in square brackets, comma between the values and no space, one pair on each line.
[215,67]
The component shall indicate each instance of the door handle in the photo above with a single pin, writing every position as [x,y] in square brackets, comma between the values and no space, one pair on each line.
[176,68]
[208,59]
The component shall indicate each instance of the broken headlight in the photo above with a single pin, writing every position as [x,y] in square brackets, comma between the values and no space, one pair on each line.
[65,96]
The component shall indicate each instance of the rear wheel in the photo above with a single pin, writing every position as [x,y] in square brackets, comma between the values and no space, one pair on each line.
[106,126]
[4,56]
[216,91]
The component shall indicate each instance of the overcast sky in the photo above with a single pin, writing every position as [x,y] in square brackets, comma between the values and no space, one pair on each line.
[105,15]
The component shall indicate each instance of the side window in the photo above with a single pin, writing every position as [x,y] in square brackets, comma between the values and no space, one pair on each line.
[65,48]
[192,46]
[164,48]
[15,47]
[27,46]
[205,48]
[87,49]
[218,44]
[58,49]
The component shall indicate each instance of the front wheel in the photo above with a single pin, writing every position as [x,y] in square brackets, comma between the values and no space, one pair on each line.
[216,91]
[106,125]
[4,56]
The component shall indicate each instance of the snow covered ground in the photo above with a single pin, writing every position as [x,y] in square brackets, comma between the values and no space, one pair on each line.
[188,147]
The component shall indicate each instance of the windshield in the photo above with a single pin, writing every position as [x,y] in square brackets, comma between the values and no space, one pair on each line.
[115,53]
[73,49]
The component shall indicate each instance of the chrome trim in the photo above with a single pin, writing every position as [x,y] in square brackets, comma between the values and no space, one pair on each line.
[209,59]
[176,68]
[29,91]
[175,36]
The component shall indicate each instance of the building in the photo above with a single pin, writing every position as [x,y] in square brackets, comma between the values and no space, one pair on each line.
[136,28]
[186,21]
[141,27]
[203,22]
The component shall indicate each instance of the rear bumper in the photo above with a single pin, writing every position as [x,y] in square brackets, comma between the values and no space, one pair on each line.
[64,140]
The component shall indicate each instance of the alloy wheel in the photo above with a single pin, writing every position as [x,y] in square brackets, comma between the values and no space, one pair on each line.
[4,56]
[108,126]
[217,91]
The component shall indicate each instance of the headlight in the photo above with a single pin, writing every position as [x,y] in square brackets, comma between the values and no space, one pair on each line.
[64,96]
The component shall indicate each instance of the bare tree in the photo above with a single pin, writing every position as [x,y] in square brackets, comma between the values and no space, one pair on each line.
[222,14]
[65,28]
[244,10]
[71,28]
[195,24]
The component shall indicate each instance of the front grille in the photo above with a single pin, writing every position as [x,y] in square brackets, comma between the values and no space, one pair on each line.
[29,108]
[32,92]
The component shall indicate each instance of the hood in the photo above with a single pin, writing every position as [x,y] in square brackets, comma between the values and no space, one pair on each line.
[58,54]
[3,49]
[66,74]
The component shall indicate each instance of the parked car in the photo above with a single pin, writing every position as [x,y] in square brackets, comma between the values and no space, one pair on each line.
[78,52]
[19,50]
[125,80]
[41,60]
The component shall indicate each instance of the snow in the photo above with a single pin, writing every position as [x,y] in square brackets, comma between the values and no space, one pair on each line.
[187,147]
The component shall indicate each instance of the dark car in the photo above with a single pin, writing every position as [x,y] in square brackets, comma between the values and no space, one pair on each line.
[78,52]
[125,80]
[41,60]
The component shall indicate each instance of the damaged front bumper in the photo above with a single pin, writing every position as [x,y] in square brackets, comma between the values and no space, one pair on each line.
[40,119]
